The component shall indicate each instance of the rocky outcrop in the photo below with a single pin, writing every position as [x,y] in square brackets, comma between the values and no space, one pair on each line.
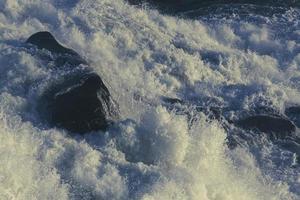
[79,101]
[61,54]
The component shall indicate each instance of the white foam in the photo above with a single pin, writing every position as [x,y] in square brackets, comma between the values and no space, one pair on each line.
[151,153]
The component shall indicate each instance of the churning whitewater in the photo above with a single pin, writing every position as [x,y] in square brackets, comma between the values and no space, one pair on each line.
[163,71]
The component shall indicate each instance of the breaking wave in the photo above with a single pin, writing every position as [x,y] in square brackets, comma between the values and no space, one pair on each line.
[238,59]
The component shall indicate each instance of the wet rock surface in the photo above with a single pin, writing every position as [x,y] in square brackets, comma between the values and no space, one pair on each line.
[83,107]
[77,101]
[45,40]
[61,54]
[277,127]
[262,119]
[293,113]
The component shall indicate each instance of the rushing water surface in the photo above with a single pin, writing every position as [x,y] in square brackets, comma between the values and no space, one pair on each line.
[236,57]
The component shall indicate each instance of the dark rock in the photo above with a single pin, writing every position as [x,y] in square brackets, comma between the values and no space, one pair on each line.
[45,40]
[277,127]
[83,107]
[293,113]
[171,100]
[78,100]
[293,110]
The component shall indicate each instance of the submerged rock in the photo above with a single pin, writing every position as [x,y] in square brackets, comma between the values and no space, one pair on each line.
[78,100]
[293,113]
[293,110]
[192,110]
[277,127]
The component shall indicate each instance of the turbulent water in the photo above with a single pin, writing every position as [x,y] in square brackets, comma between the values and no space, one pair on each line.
[237,57]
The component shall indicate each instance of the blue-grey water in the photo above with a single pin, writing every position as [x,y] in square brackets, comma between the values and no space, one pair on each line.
[235,56]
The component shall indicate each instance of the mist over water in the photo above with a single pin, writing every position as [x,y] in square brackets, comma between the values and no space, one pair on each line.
[237,58]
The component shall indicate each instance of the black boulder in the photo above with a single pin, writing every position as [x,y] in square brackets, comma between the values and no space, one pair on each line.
[278,127]
[82,108]
[78,100]
[45,40]
[62,55]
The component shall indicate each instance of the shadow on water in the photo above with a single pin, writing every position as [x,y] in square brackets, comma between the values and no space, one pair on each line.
[196,8]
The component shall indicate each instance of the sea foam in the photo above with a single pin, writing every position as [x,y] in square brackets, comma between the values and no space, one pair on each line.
[153,152]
